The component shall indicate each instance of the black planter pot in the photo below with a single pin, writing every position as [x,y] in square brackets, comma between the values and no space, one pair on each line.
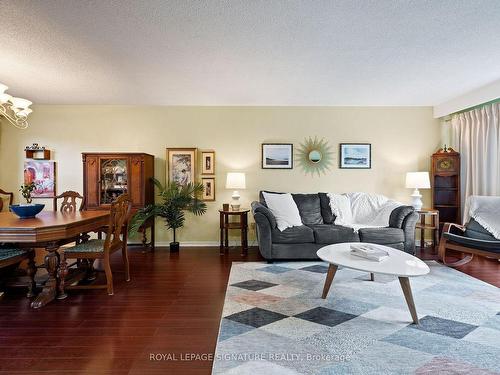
[174,247]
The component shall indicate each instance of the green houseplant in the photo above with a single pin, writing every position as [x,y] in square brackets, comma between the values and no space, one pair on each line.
[175,201]
[26,190]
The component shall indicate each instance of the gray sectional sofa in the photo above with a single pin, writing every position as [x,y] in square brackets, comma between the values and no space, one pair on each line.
[302,242]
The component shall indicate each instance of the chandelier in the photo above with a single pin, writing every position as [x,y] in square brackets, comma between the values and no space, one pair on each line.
[15,110]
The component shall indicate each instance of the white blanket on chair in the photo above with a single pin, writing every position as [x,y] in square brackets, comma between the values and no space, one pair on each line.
[486,211]
[362,210]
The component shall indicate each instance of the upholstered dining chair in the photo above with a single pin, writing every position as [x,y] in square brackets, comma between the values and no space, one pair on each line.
[101,249]
[10,198]
[11,257]
[69,201]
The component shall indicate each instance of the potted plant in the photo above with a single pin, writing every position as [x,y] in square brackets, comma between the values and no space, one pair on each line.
[176,199]
[28,210]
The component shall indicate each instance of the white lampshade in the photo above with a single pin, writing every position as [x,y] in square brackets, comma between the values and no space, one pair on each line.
[3,88]
[418,180]
[235,180]
[20,103]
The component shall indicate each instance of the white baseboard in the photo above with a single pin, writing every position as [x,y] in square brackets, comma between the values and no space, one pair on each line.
[217,243]
[192,243]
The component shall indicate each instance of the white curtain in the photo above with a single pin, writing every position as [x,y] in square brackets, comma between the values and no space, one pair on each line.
[476,135]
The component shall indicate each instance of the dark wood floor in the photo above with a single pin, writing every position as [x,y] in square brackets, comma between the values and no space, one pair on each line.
[172,306]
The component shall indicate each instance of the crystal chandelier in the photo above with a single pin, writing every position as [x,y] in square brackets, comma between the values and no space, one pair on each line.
[15,110]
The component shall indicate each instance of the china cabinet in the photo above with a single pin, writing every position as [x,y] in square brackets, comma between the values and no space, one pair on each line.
[108,175]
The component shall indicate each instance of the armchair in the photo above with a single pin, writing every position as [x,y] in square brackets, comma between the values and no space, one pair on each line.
[470,239]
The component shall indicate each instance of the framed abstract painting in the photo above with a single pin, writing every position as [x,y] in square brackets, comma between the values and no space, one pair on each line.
[181,165]
[43,174]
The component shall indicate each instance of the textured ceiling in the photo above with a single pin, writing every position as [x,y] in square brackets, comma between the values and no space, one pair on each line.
[248,52]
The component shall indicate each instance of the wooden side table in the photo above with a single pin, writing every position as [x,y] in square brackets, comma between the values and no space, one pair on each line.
[225,225]
[432,226]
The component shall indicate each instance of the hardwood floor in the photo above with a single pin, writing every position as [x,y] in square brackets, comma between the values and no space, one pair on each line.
[172,306]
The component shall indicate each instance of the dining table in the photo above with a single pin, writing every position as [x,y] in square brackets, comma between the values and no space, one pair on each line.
[50,230]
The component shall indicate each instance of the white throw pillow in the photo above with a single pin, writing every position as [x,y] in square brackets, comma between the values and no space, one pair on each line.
[284,210]
[341,208]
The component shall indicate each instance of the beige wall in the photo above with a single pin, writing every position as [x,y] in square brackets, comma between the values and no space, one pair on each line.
[402,138]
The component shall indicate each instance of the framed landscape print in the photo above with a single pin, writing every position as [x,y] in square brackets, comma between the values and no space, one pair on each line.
[43,174]
[355,155]
[208,162]
[277,156]
[181,165]
[208,188]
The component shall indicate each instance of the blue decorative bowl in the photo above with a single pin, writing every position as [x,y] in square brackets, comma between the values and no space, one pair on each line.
[27,211]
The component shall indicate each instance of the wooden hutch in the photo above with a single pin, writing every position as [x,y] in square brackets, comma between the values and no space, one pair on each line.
[108,175]
[445,181]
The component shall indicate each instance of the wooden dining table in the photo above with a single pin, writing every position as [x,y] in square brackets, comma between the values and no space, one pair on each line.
[50,230]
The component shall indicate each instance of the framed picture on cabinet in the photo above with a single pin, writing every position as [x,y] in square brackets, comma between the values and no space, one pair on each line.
[355,155]
[181,165]
[43,174]
[208,188]
[208,162]
[277,156]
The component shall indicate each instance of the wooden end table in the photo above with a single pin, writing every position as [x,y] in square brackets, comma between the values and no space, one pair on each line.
[226,224]
[432,226]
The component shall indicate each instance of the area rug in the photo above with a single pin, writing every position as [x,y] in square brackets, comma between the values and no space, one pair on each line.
[274,322]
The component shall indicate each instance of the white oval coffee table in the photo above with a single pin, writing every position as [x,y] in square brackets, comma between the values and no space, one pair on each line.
[399,263]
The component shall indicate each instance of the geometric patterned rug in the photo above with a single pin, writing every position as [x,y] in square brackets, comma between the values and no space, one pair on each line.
[275,322]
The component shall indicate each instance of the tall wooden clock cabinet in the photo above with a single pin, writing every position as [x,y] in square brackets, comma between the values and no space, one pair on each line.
[108,175]
[446,185]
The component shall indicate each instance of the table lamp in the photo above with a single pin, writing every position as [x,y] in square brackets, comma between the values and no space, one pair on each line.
[235,180]
[417,180]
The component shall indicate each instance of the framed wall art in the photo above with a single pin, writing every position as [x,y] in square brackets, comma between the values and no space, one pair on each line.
[208,188]
[181,165]
[43,174]
[277,156]
[355,156]
[208,162]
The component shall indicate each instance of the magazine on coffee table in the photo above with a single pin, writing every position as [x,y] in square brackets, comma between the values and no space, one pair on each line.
[370,252]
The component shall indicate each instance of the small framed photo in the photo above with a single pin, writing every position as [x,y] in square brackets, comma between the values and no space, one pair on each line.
[181,165]
[355,156]
[277,156]
[208,162]
[208,188]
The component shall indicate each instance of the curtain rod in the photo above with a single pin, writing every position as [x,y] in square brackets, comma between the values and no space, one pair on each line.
[447,118]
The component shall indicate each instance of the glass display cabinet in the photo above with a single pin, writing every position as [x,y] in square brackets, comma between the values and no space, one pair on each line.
[108,175]
[113,179]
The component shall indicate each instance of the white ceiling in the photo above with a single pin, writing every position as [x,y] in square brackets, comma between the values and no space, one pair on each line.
[248,52]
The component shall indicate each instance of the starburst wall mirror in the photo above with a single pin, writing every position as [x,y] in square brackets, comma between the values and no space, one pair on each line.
[314,156]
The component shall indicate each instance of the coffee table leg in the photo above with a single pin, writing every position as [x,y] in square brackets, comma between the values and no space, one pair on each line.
[372,277]
[329,278]
[405,285]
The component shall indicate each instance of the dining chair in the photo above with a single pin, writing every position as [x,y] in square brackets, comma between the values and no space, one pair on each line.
[10,198]
[11,257]
[101,248]
[69,201]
